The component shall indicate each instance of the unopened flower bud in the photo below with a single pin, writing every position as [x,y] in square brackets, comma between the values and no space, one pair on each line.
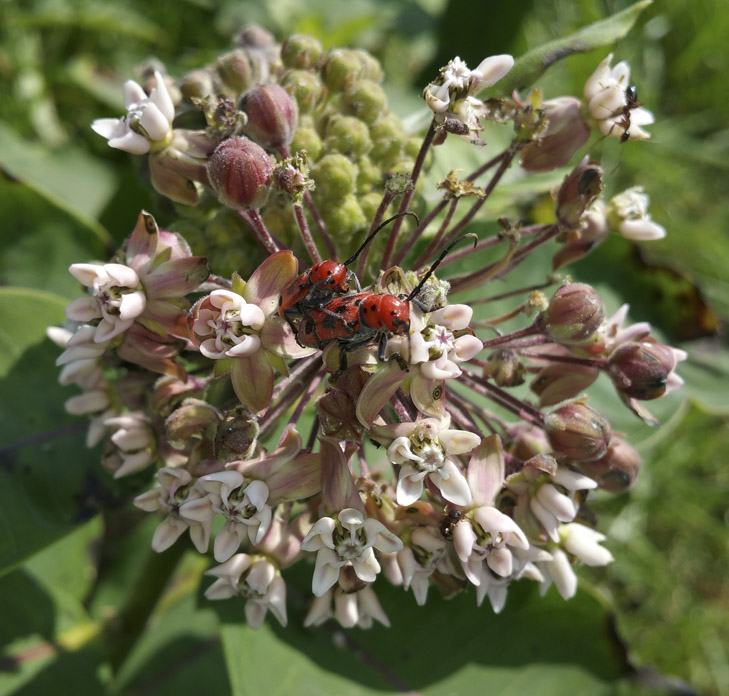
[581,242]
[617,470]
[335,176]
[364,99]
[237,435]
[272,116]
[574,314]
[198,84]
[301,51]
[578,191]
[525,441]
[304,86]
[578,432]
[505,368]
[641,370]
[565,133]
[240,172]
[235,70]
[341,68]
[192,418]
[560,381]
[348,135]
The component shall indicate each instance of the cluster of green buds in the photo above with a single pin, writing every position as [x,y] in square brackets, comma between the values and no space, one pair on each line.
[358,414]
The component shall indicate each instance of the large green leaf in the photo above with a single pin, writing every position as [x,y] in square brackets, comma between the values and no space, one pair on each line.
[448,646]
[43,241]
[47,636]
[48,484]
[529,67]
[70,178]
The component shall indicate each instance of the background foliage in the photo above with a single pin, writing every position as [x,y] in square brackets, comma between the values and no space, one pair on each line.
[87,605]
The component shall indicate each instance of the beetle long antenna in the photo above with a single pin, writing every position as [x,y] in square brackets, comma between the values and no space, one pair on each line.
[437,263]
[372,234]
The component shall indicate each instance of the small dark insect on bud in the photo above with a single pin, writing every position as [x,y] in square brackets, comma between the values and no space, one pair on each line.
[574,314]
[241,172]
[617,470]
[578,192]
[641,370]
[578,432]
[272,116]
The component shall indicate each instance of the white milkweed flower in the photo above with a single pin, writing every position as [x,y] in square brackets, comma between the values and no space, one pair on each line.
[258,580]
[425,449]
[628,212]
[349,609]
[242,504]
[606,99]
[350,539]
[148,120]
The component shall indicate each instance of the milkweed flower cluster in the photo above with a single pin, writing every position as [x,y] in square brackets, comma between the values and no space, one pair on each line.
[360,416]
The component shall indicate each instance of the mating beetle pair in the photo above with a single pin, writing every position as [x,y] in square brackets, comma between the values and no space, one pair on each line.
[353,320]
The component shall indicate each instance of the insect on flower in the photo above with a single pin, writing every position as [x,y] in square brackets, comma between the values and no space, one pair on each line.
[320,283]
[356,320]
[631,102]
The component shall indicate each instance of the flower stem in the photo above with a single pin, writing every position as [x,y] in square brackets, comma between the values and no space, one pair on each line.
[598,364]
[503,399]
[364,255]
[254,220]
[549,233]
[320,226]
[306,234]
[407,197]
[531,330]
[429,251]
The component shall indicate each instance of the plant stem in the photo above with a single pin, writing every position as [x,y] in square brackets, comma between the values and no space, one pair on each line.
[254,220]
[306,234]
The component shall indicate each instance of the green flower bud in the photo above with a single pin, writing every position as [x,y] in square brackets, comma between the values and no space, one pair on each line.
[347,135]
[301,51]
[280,222]
[370,68]
[364,99]
[388,138]
[412,147]
[369,175]
[369,203]
[578,431]
[272,116]
[240,173]
[335,176]
[306,138]
[304,86]
[198,84]
[342,67]
[345,219]
[235,70]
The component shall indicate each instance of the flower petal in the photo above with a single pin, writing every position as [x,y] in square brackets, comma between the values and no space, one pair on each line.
[452,484]
[268,281]
[252,378]
[378,390]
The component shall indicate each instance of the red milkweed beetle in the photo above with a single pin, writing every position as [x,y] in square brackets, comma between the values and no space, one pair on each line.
[356,320]
[317,285]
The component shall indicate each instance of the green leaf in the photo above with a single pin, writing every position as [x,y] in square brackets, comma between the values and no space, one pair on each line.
[70,178]
[48,639]
[448,646]
[43,241]
[529,67]
[47,482]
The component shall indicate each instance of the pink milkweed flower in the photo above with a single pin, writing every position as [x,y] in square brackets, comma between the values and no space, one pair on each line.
[241,326]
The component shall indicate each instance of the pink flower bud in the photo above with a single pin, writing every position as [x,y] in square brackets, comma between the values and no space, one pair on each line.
[272,116]
[574,314]
[617,469]
[565,133]
[641,370]
[578,191]
[580,242]
[560,381]
[240,173]
[578,432]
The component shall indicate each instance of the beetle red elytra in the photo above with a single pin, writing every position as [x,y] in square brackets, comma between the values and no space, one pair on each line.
[355,320]
[320,283]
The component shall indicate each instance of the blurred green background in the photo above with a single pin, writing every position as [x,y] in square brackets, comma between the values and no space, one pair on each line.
[661,611]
